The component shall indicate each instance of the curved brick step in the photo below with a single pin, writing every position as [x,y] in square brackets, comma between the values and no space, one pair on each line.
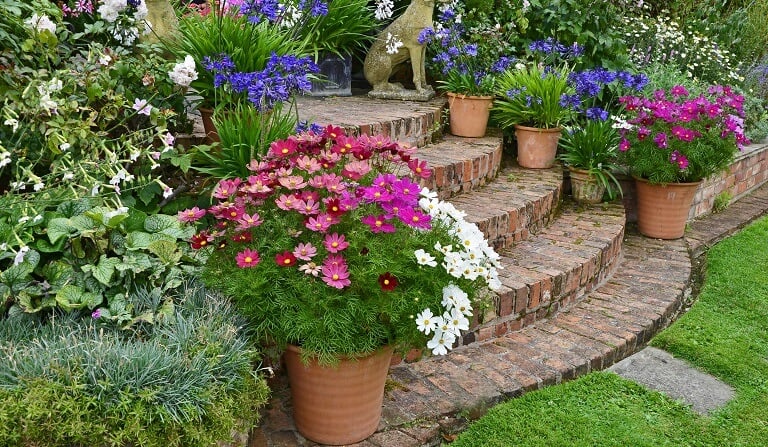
[462,164]
[412,122]
[517,203]
[554,268]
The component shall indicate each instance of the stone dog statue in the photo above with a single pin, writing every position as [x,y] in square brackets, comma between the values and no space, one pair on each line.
[379,64]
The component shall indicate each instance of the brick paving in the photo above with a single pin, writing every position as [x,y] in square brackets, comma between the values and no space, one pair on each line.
[579,293]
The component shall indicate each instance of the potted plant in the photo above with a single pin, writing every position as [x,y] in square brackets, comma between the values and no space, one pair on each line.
[467,65]
[324,249]
[671,141]
[590,153]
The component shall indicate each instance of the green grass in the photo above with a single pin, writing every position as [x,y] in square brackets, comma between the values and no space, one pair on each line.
[725,333]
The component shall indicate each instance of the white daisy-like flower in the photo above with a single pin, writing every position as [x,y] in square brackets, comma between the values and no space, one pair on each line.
[456,321]
[424,258]
[310,268]
[427,193]
[426,322]
[441,343]
[452,295]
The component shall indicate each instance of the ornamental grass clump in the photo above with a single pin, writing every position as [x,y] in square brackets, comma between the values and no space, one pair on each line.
[673,137]
[332,245]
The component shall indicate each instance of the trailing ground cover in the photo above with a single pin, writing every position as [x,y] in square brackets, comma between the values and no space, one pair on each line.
[724,333]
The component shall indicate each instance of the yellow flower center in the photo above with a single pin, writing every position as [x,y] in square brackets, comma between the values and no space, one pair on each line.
[335,277]
[334,244]
[248,259]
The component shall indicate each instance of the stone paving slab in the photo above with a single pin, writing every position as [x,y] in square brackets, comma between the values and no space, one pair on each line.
[660,371]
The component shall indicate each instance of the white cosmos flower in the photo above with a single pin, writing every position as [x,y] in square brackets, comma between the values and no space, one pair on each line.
[456,321]
[441,343]
[426,322]
[424,258]
[426,193]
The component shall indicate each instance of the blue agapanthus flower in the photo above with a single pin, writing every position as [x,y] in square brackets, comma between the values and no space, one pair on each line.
[597,113]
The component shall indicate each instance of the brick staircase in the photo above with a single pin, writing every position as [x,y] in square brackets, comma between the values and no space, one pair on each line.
[578,292]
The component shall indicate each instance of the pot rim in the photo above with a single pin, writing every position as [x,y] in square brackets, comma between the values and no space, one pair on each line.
[465,96]
[539,129]
[664,185]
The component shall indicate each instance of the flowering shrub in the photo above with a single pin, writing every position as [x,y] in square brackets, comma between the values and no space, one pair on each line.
[324,247]
[663,39]
[672,137]
[465,63]
[110,22]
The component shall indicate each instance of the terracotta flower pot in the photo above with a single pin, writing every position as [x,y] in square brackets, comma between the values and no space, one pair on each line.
[536,148]
[211,135]
[469,114]
[584,187]
[337,405]
[662,209]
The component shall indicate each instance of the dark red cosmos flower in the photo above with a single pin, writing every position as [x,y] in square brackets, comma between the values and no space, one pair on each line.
[388,282]
[285,259]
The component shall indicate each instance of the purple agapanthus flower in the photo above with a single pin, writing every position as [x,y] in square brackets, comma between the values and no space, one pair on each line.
[255,10]
[597,113]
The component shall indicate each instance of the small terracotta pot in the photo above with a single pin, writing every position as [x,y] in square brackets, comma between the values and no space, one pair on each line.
[536,148]
[584,187]
[469,114]
[341,404]
[662,209]
[211,134]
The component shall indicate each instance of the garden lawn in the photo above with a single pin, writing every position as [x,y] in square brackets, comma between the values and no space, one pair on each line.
[725,333]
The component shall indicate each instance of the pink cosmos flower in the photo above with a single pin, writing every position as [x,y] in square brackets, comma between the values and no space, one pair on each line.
[419,168]
[414,218]
[293,182]
[335,243]
[226,188]
[286,202]
[285,259]
[377,194]
[190,215]
[406,190]
[678,91]
[283,148]
[355,170]
[679,159]
[336,276]
[249,221]
[247,258]
[345,145]
[308,164]
[335,260]
[317,223]
[307,208]
[305,251]
[378,224]
[661,140]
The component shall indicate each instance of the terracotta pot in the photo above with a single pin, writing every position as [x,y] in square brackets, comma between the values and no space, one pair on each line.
[469,114]
[662,209]
[536,148]
[584,187]
[337,405]
[211,135]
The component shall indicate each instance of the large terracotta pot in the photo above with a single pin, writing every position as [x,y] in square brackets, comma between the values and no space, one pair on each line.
[585,188]
[211,134]
[469,114]
[536,148]
[662,209]
[337,405]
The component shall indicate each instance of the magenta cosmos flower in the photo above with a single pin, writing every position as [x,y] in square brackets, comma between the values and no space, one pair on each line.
[335,243]
[336,275]
[247,258]
[191,215]
[378,224]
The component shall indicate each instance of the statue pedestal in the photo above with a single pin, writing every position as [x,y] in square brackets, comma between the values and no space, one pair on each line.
[404,94]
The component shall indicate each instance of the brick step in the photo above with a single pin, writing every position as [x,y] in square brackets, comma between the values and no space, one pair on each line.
[554,268]
[412,122]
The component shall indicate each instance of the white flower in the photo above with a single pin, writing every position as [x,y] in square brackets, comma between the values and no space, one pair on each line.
[184,73]
[141,11]
[456,321]
[393,44]
[95,189]
[425,192]
[64,147]
[105,59]
[5,158]
[441,342]
[37,219]
[168,140]
[13,122]
[38,186]
[424,258]
[384,9]
[110,9]
[18,186]
[167,192]
[47,103]
[41,23]
[24,219]
[19,258]
[426,322]
[68,176]
[310,268]
[142,107]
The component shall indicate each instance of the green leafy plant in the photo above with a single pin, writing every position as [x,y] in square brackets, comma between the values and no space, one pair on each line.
[344,30]
[593,148]
[325,249]
[245,135]
[188,381]
[531,96]
[78,256]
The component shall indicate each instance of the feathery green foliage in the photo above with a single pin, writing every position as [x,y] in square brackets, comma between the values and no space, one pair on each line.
[188,382]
